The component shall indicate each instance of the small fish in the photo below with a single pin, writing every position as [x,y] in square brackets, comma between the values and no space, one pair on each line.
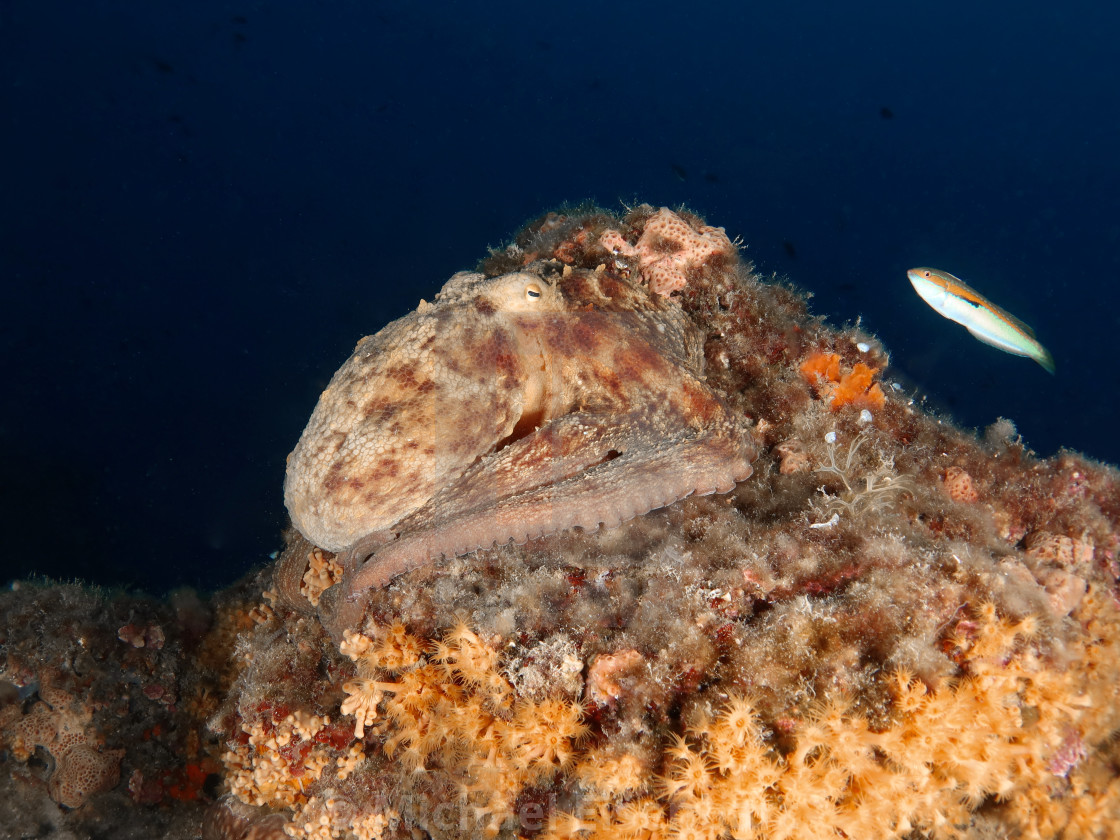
[958,302]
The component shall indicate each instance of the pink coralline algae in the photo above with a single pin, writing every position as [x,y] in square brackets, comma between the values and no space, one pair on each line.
[670,249]
[60,724]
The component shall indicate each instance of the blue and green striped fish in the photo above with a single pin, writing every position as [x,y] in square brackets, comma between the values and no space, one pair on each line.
[957,301]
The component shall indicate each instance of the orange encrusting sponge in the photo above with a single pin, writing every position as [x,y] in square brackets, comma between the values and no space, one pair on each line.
[856,387]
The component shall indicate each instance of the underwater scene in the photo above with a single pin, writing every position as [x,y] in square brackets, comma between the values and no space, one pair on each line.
[559,421]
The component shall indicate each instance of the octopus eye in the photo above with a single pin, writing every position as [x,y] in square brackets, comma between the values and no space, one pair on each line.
[532,292]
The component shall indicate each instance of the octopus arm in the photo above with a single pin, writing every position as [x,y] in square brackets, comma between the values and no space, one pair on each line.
[582,469]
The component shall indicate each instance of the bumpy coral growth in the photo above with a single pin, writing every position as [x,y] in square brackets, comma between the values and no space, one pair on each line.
[893,629]
[669,249]
[83,771]
[940,755]
[62,728]
[959,486]
[277,759]
[1010,729]
[103,698]
[444,711]
[323,572]
[452,710]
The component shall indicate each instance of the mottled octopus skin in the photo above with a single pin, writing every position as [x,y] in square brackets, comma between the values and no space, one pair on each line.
[510,408]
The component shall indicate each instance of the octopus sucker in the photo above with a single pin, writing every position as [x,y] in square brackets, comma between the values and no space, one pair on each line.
[530,424]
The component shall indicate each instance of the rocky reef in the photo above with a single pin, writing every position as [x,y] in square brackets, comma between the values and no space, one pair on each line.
[893,628]
[103,703]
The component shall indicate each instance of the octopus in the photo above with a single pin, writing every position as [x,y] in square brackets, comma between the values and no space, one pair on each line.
[510,408]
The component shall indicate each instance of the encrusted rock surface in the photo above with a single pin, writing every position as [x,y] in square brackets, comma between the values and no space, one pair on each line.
[894,628]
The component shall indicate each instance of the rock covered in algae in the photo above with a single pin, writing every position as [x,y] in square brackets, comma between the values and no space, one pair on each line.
[894,628]
[103,702]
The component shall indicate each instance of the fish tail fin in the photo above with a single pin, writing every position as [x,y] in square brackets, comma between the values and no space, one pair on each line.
[1045,359]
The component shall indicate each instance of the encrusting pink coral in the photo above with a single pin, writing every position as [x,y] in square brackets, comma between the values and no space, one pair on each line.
[82,771]
[669,249]
[82,767]
[959,486]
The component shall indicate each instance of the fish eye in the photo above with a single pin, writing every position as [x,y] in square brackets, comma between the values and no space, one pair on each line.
[926,273]
[532,292]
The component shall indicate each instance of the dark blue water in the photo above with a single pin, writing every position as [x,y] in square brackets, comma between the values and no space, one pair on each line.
[203,205]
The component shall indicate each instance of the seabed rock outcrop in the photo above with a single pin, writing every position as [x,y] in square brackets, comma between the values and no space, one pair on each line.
[893,628]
